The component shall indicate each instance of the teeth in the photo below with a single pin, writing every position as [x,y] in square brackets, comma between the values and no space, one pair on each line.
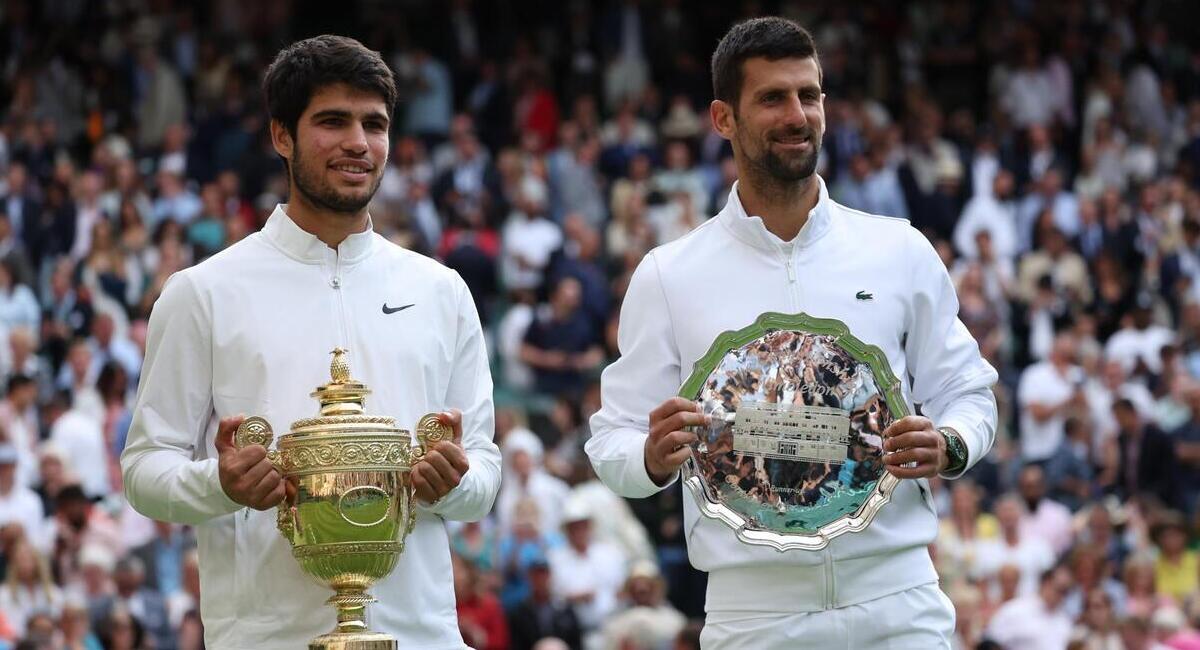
[349,168]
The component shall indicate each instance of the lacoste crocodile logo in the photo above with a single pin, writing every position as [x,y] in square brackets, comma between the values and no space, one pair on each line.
[863,295]
[392,310]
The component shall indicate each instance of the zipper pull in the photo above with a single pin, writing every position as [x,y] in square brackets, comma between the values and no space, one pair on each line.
[791,272]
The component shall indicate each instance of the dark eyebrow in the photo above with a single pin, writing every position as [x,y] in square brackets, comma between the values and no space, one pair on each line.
[808,89]
[345,115]
[330,113]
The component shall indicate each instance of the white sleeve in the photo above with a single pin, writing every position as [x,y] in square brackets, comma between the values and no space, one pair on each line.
[646,374]
[964,231]
[1000,629]
[165,477]
[951,380]
[1028,391]
[539,255]
[470,391]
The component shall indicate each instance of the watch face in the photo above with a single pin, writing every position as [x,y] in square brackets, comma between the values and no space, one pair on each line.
[956,449]
[792,455]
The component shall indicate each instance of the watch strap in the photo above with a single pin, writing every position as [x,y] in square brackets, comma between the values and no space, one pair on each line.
[956,450]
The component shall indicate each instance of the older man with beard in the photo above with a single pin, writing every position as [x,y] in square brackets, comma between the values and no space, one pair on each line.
[782,245]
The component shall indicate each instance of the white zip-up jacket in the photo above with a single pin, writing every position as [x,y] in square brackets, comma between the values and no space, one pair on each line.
[723,275]
[249,331]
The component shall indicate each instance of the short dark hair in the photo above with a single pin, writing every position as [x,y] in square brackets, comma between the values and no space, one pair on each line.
[72,493]
[303,67]
[17,381]
[1049,574]
[771,38]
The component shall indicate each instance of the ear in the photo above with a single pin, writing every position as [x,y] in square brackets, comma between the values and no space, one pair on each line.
[281,139]
[722,118]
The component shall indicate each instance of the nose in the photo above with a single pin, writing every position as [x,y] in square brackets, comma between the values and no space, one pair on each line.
[356,140]
[795,115]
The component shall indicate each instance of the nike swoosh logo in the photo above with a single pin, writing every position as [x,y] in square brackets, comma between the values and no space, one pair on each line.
[392,310]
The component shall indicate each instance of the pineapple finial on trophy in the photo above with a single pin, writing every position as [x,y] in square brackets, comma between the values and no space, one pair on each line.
[339,368]
[342,395]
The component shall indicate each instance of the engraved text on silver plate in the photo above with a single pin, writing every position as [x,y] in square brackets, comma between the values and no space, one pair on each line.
[818,434]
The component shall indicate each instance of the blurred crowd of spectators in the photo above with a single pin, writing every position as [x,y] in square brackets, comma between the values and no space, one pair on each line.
[1050,150]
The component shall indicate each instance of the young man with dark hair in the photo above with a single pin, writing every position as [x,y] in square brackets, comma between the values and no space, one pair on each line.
[249,331]
[782,245]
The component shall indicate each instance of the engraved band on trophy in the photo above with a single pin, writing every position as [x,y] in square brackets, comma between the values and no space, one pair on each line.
[353,503]
[792,455]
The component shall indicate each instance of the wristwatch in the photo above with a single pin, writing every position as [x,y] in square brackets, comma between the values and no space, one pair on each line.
[956,450]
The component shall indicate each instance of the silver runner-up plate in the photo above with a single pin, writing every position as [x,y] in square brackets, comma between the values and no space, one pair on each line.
[792,455]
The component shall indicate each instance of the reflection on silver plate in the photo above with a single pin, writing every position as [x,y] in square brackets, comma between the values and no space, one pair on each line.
[792,455]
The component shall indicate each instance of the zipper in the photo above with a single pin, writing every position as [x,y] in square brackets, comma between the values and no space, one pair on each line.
[829,588]
[336,283]
[797,286]
[789,254]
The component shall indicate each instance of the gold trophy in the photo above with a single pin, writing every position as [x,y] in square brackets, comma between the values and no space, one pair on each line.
[353,503]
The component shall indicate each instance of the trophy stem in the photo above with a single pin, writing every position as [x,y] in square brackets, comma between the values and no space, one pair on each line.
[351,632]
[351,604]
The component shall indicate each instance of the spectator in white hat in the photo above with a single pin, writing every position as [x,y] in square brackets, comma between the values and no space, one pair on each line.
[1171,629]
[525,477]
[94,585]
[588,574]
[649,621]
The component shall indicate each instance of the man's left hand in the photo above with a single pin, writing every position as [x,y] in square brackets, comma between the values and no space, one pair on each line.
[914,439]
[443,465]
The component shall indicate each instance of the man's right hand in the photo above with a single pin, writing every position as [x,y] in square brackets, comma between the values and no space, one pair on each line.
[668,444]
[246,475]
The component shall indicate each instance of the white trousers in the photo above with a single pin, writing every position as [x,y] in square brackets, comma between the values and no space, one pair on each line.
[921,618]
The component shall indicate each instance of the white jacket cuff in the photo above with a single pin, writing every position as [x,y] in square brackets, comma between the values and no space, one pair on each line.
[165,486]
[470,500]
[621,464]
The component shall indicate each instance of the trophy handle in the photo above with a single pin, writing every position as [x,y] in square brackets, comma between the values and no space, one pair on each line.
[285,522]
[255,430]
[430,431]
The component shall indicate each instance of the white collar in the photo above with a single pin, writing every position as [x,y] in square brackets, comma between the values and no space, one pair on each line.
[304,246]
[753,231]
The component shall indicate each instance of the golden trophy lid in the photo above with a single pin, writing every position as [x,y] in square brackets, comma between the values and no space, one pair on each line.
[342,400]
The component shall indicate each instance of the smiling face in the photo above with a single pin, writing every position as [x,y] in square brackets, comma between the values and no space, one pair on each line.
[779,120]
[337,157]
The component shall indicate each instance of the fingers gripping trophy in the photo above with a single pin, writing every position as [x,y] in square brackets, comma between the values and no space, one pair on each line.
[350,497]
